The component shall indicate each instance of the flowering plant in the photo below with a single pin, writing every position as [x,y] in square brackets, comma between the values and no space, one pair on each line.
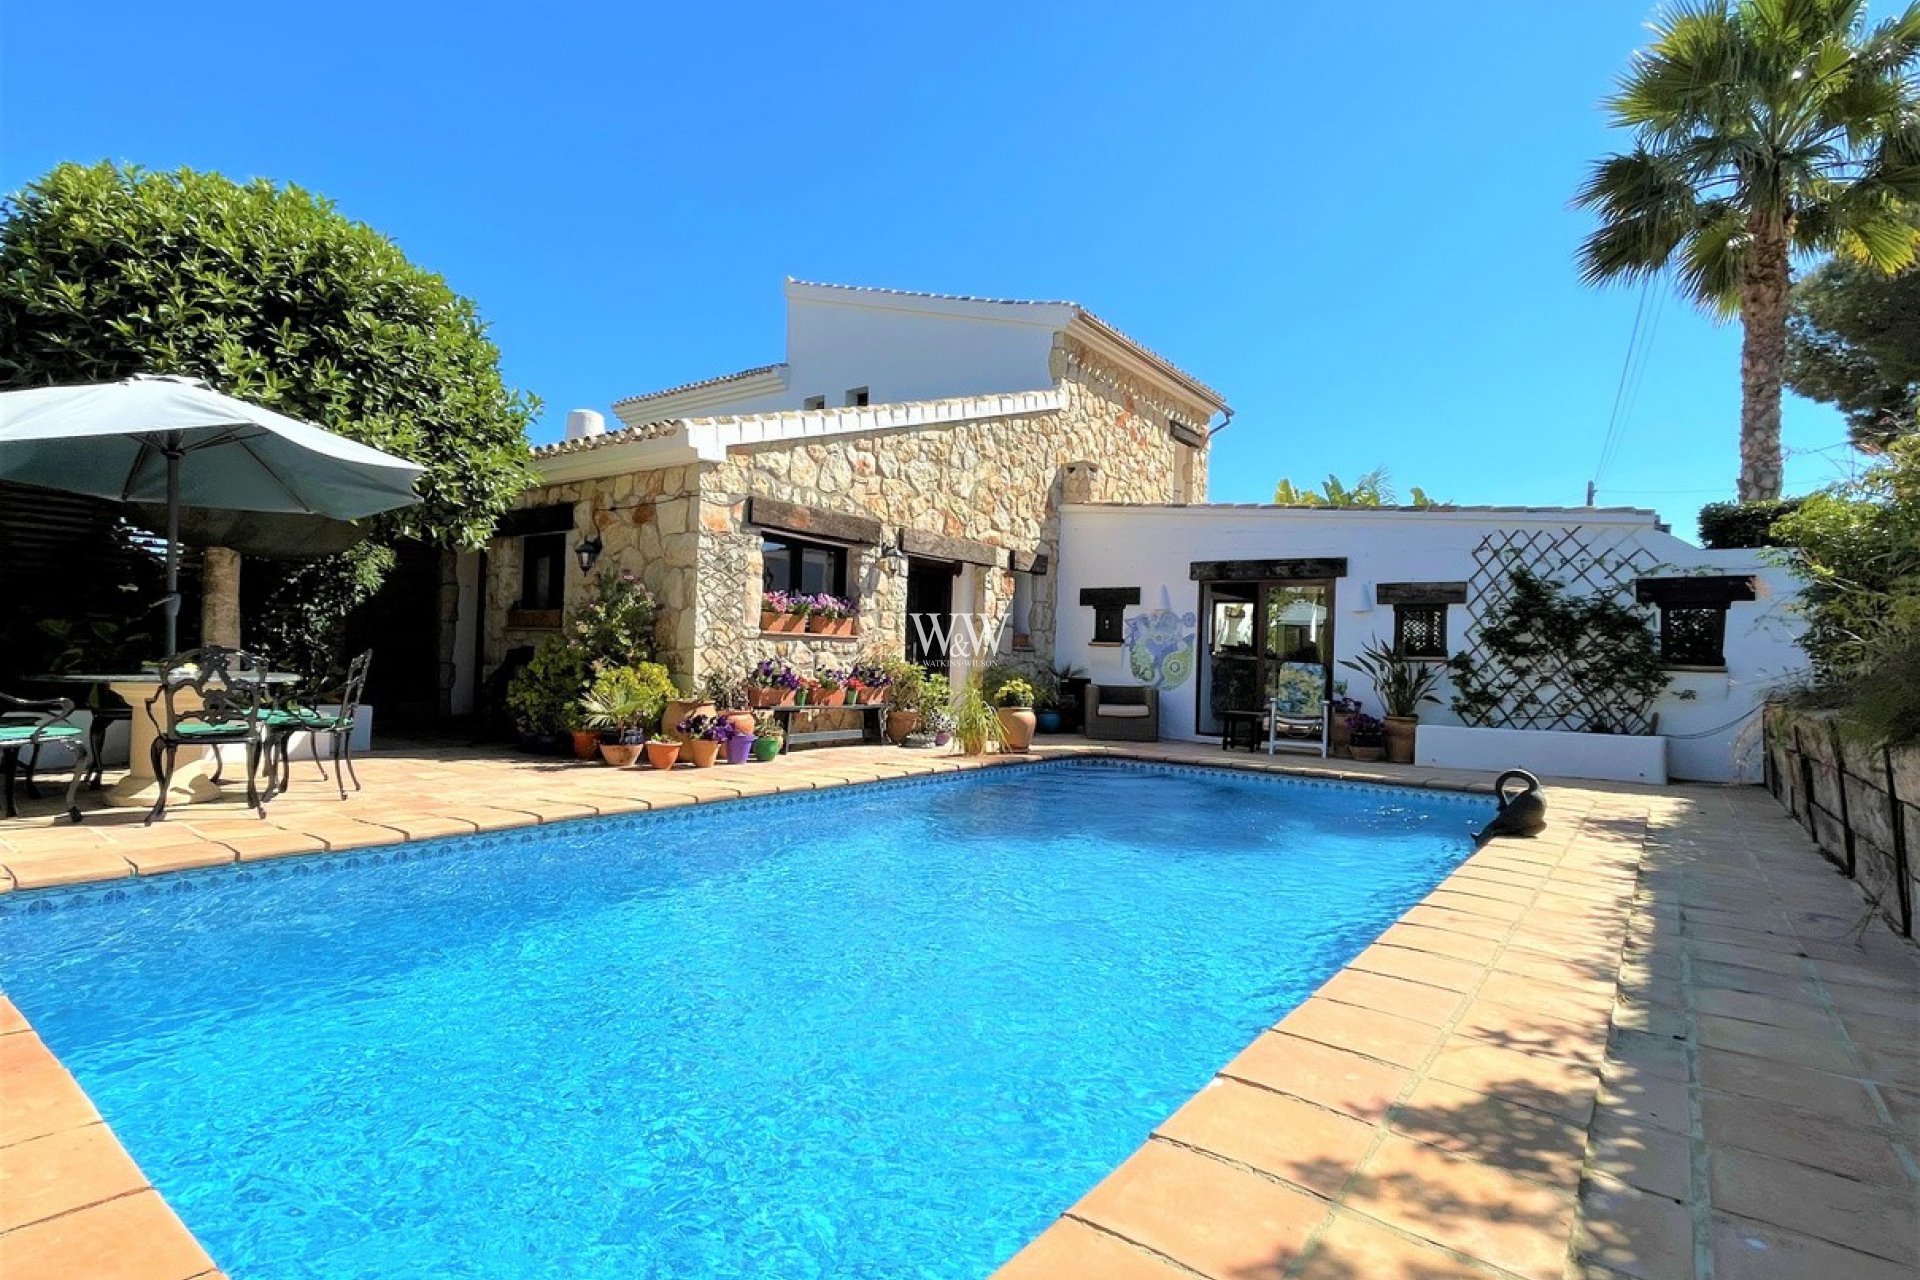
[870,674]
[774,673]
[784,602]
[712,728]
[830,607]
[1365,730]
[829,679]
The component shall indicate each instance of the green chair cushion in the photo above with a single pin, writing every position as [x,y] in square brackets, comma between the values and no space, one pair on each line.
[304,720]
[199,729]
[47,733]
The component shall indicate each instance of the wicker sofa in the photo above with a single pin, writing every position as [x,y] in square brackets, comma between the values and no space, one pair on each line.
[1120,712]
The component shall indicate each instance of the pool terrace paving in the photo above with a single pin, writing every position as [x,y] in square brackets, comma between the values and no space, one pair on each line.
[1661,1041]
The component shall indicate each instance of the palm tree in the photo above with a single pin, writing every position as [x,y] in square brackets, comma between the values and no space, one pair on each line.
[1763,130]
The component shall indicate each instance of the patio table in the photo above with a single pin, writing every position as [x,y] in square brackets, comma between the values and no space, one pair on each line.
[192,776]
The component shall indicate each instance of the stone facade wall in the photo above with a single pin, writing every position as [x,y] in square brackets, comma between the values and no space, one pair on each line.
[996,481]
[646,521]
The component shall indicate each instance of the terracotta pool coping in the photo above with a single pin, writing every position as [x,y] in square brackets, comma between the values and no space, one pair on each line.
[1508,1083]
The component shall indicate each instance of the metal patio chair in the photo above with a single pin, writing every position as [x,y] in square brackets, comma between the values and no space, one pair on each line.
[303,712]
[209,697]
[27,725]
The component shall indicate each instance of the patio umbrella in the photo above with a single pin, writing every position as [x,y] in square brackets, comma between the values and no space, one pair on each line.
[176,442]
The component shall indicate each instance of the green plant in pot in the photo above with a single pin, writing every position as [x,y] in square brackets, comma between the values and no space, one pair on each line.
[621,702]
[1403,686]
[1013,706]
[976,721]
[544,696]
[905,690]
[1366,736]
[768,737]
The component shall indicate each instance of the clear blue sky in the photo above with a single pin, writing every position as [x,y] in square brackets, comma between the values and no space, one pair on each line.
[1351,219]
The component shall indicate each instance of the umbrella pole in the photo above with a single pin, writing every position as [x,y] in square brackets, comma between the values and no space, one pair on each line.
[173,551]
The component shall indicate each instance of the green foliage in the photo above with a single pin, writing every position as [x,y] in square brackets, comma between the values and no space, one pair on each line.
[544,696]
[1555,660]
[975,722]
[615,627]
[300,617]
[1756,119]
[1726,525]
[627,697]
[1014,693]
[1370,490]
[1853,341]
[1403,685]
[1856,549]
[906,684]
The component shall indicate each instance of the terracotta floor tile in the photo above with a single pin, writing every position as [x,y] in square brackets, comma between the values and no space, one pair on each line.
[1419,966]
[1545,998]
[1473,1208]
[1439,942]
[1071,1250]
[1744,1250]
[1541,1146]
[1220,1220]
[1596,977]
[1844,1098]
[1821,1052]
[135,1237]
[1642,1155]
[37,1095]
[1804,1137]
[1298,1141]
[1772,1010]
[1530,1032]
[1401,1041]
[68,866]
[270,843]
[1465,901]
[1434,1006]
[1764,982]
[1871,1219]
[1357,1248]
[1560,1088]
[1429,916]
[1344,1081]
[11,1022]
[1663,1056]
[61,1172]
[179,857]
[1634,1232]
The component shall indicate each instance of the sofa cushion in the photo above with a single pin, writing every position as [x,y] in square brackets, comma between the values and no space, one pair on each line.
[1122,711]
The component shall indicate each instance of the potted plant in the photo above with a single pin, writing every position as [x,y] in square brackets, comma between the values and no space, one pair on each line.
[619,703]
[939,722]
[1013,704]
[701,737]
[868,681]
[772,683]
[1366,736]
[1337,712]
[782,613]
[768,738]
[684,707]
[663,752]
[976,723]
[731,699]
[544,696]
[906,682]
[1402,685]
[829,688]
[739,745]
[829,615]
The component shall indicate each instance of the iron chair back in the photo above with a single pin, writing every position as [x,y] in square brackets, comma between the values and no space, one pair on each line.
[51,722]
[208,697]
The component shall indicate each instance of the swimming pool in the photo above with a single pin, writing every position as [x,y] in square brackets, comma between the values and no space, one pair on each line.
[882,1031]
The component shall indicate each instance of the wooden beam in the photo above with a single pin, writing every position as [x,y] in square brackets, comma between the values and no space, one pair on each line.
[1420,593]
[1186,435]
[1267,570]
[938,546]
[1705,591]
[557,518]
[1107,597]
[812,522]
[1027,561]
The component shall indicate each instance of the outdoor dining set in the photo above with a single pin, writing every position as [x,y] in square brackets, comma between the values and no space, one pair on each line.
[201,701]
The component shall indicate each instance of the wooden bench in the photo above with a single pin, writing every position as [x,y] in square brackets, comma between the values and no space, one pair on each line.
[872,725]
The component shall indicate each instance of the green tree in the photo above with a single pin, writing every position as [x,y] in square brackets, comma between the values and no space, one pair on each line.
[1371,489]
[267,293]
[1762,129]
[1853,341]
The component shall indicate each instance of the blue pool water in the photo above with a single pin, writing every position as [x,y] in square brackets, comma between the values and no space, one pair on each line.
[884,1032]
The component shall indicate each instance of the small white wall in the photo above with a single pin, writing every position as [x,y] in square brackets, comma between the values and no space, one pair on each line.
[1152,548]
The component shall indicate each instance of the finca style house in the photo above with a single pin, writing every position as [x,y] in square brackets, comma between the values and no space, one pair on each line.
[911,453]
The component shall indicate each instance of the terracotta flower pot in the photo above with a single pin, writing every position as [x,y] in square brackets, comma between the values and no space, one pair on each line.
[701,751]
[679,709]
[835,699]
[782,623]
[1400,731]
[742,721]
[763,698]
[1016,727]
[586,744]
[1367,755]
[900,724]
[663,755]
[1338,736]
[620,755]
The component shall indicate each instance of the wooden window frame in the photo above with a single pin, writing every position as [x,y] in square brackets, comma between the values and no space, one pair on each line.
[795,544]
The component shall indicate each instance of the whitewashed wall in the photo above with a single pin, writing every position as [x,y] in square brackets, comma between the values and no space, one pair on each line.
[1152,548]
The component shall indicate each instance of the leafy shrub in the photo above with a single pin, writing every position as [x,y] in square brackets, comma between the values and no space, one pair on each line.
[615,627]
[1014,693]
[544,697]
[1728,525]
[627,697]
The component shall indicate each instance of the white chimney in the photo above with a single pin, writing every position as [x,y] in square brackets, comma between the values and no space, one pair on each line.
[582,423]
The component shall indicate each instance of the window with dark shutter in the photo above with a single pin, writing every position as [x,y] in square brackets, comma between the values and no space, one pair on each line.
[543,571]
[1420,630]
[1693,635]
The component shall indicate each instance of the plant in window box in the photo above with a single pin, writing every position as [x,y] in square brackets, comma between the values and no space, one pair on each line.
[663,752]
[829,688]
[783,612]
[772,683]
[1403,685]
[867,682]
[829,615]
[1013,704]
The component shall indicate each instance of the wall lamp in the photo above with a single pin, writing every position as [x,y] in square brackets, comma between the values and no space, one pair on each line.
[587,552]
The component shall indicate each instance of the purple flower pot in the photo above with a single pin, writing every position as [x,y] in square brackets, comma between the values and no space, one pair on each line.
[739,747]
